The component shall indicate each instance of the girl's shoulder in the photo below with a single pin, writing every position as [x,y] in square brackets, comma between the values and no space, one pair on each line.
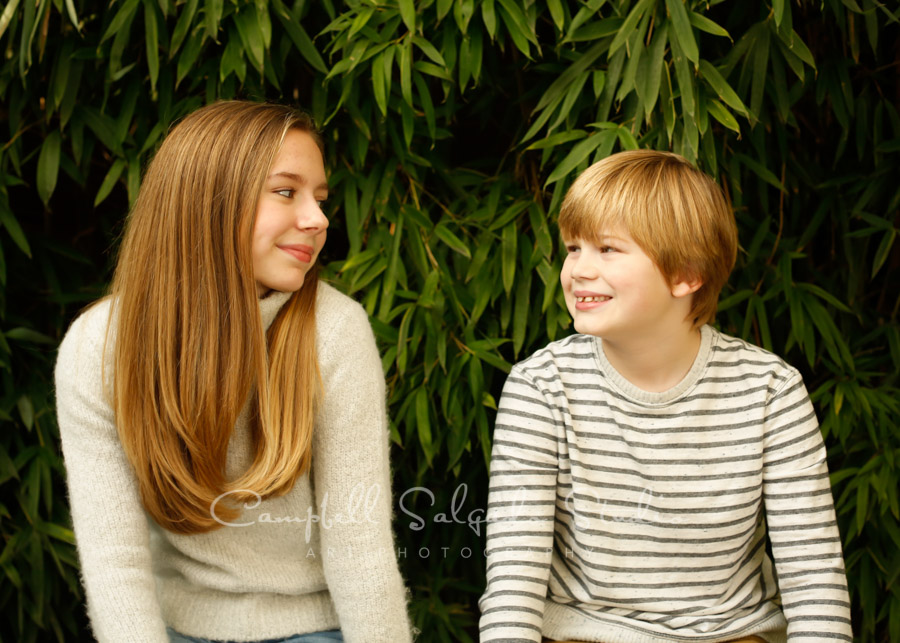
[335,309]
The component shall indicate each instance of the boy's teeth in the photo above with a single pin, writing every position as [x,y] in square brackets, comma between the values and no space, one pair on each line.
[592,299]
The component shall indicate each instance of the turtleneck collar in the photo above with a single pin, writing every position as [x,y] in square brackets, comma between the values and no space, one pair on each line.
[270,305]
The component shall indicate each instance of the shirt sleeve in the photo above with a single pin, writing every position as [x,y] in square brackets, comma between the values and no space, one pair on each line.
[802,526]
[520,514]
[111,528]
[351,477]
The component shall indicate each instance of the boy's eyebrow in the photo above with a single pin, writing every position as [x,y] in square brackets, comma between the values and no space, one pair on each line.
[297,178]
[604,237]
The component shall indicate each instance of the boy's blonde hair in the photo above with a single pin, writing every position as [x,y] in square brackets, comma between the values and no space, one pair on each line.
[673,211]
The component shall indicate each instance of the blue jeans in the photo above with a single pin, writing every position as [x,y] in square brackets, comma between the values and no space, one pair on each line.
[315,637]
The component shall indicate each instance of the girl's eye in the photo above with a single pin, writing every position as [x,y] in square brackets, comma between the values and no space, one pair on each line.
[607,249]
[287,192]
[572,248]
[322,203]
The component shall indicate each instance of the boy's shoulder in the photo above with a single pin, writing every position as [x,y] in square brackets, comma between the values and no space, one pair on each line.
[569,354]
[732,358]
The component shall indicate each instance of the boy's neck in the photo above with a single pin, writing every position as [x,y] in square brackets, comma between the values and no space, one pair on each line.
[654,362]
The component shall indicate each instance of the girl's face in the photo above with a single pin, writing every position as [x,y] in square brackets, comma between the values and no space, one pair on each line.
[290,225]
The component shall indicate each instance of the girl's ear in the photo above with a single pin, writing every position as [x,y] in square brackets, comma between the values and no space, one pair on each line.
[686,286]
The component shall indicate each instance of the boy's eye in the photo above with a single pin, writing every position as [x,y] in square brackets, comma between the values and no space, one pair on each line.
[287,192]
[572,248]
[322,203]
[607,249]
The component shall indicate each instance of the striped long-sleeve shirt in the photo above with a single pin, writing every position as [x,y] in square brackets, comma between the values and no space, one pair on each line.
[616,514]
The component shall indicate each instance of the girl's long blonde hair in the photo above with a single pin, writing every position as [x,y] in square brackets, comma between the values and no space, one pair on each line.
[189,346]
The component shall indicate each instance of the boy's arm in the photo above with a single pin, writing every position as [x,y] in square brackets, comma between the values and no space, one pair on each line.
[520,514]
[800,514]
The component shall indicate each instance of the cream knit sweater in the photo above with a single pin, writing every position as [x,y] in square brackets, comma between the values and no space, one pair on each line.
[321,557]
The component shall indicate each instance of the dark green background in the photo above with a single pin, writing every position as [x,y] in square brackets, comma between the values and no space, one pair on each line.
[452,132]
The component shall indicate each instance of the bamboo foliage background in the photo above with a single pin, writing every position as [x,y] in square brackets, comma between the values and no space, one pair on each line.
[453,129]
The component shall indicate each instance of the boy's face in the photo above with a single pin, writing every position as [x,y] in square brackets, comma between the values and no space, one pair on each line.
[615,291]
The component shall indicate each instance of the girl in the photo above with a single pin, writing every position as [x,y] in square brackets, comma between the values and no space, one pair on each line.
[222,412]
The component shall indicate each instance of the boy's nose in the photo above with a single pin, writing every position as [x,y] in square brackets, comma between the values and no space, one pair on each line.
[584,268]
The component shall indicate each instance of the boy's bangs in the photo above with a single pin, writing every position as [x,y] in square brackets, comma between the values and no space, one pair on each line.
[598,214]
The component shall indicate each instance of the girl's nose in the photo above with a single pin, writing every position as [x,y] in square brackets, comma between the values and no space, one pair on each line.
[312,219]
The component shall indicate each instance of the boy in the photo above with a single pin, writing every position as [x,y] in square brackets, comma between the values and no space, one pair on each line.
[637,464]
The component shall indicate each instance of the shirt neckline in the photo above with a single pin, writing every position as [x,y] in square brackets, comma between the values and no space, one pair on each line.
[632,392]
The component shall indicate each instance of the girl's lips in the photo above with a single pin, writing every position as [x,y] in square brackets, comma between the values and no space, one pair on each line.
[297,253]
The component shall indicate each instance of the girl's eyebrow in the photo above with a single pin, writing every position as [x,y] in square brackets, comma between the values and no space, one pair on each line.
[296,177]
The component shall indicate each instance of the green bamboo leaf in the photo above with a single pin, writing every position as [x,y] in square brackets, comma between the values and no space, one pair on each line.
[628,26]
[429,50]
[213,10]
[799,48]
[722,88]
[26,411]
[759,61]
[521,310]
[595,30]
[513,10]
[70,10]
[626,138]
[233,58]
[405,64]
[508,256]
[8,12]
[22,334]
[580,152]
[557,139]
[650,69]
[123,15]
[185,20]
[862,506]
[516,33]
[423,424]
[248,28]
[360,21]
[443,74]
[48,166]
[821,293]
[778,10]
[12,226]
[682,27]
[705,24]
[721,114]
[151,43]
[378,88]
[115,171]
[55,531]
[408,14]
[557,13]
[489,16]
[463,10]
[299,37]
[558,87]
[189,54]
[427,105]
[884,250]
[685,79]
[761,171]
[453,242]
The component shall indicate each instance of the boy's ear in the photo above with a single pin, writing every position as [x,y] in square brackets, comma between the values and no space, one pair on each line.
[686,286]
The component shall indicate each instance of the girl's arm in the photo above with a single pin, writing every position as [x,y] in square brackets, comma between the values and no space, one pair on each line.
[110,525]
[351,478]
